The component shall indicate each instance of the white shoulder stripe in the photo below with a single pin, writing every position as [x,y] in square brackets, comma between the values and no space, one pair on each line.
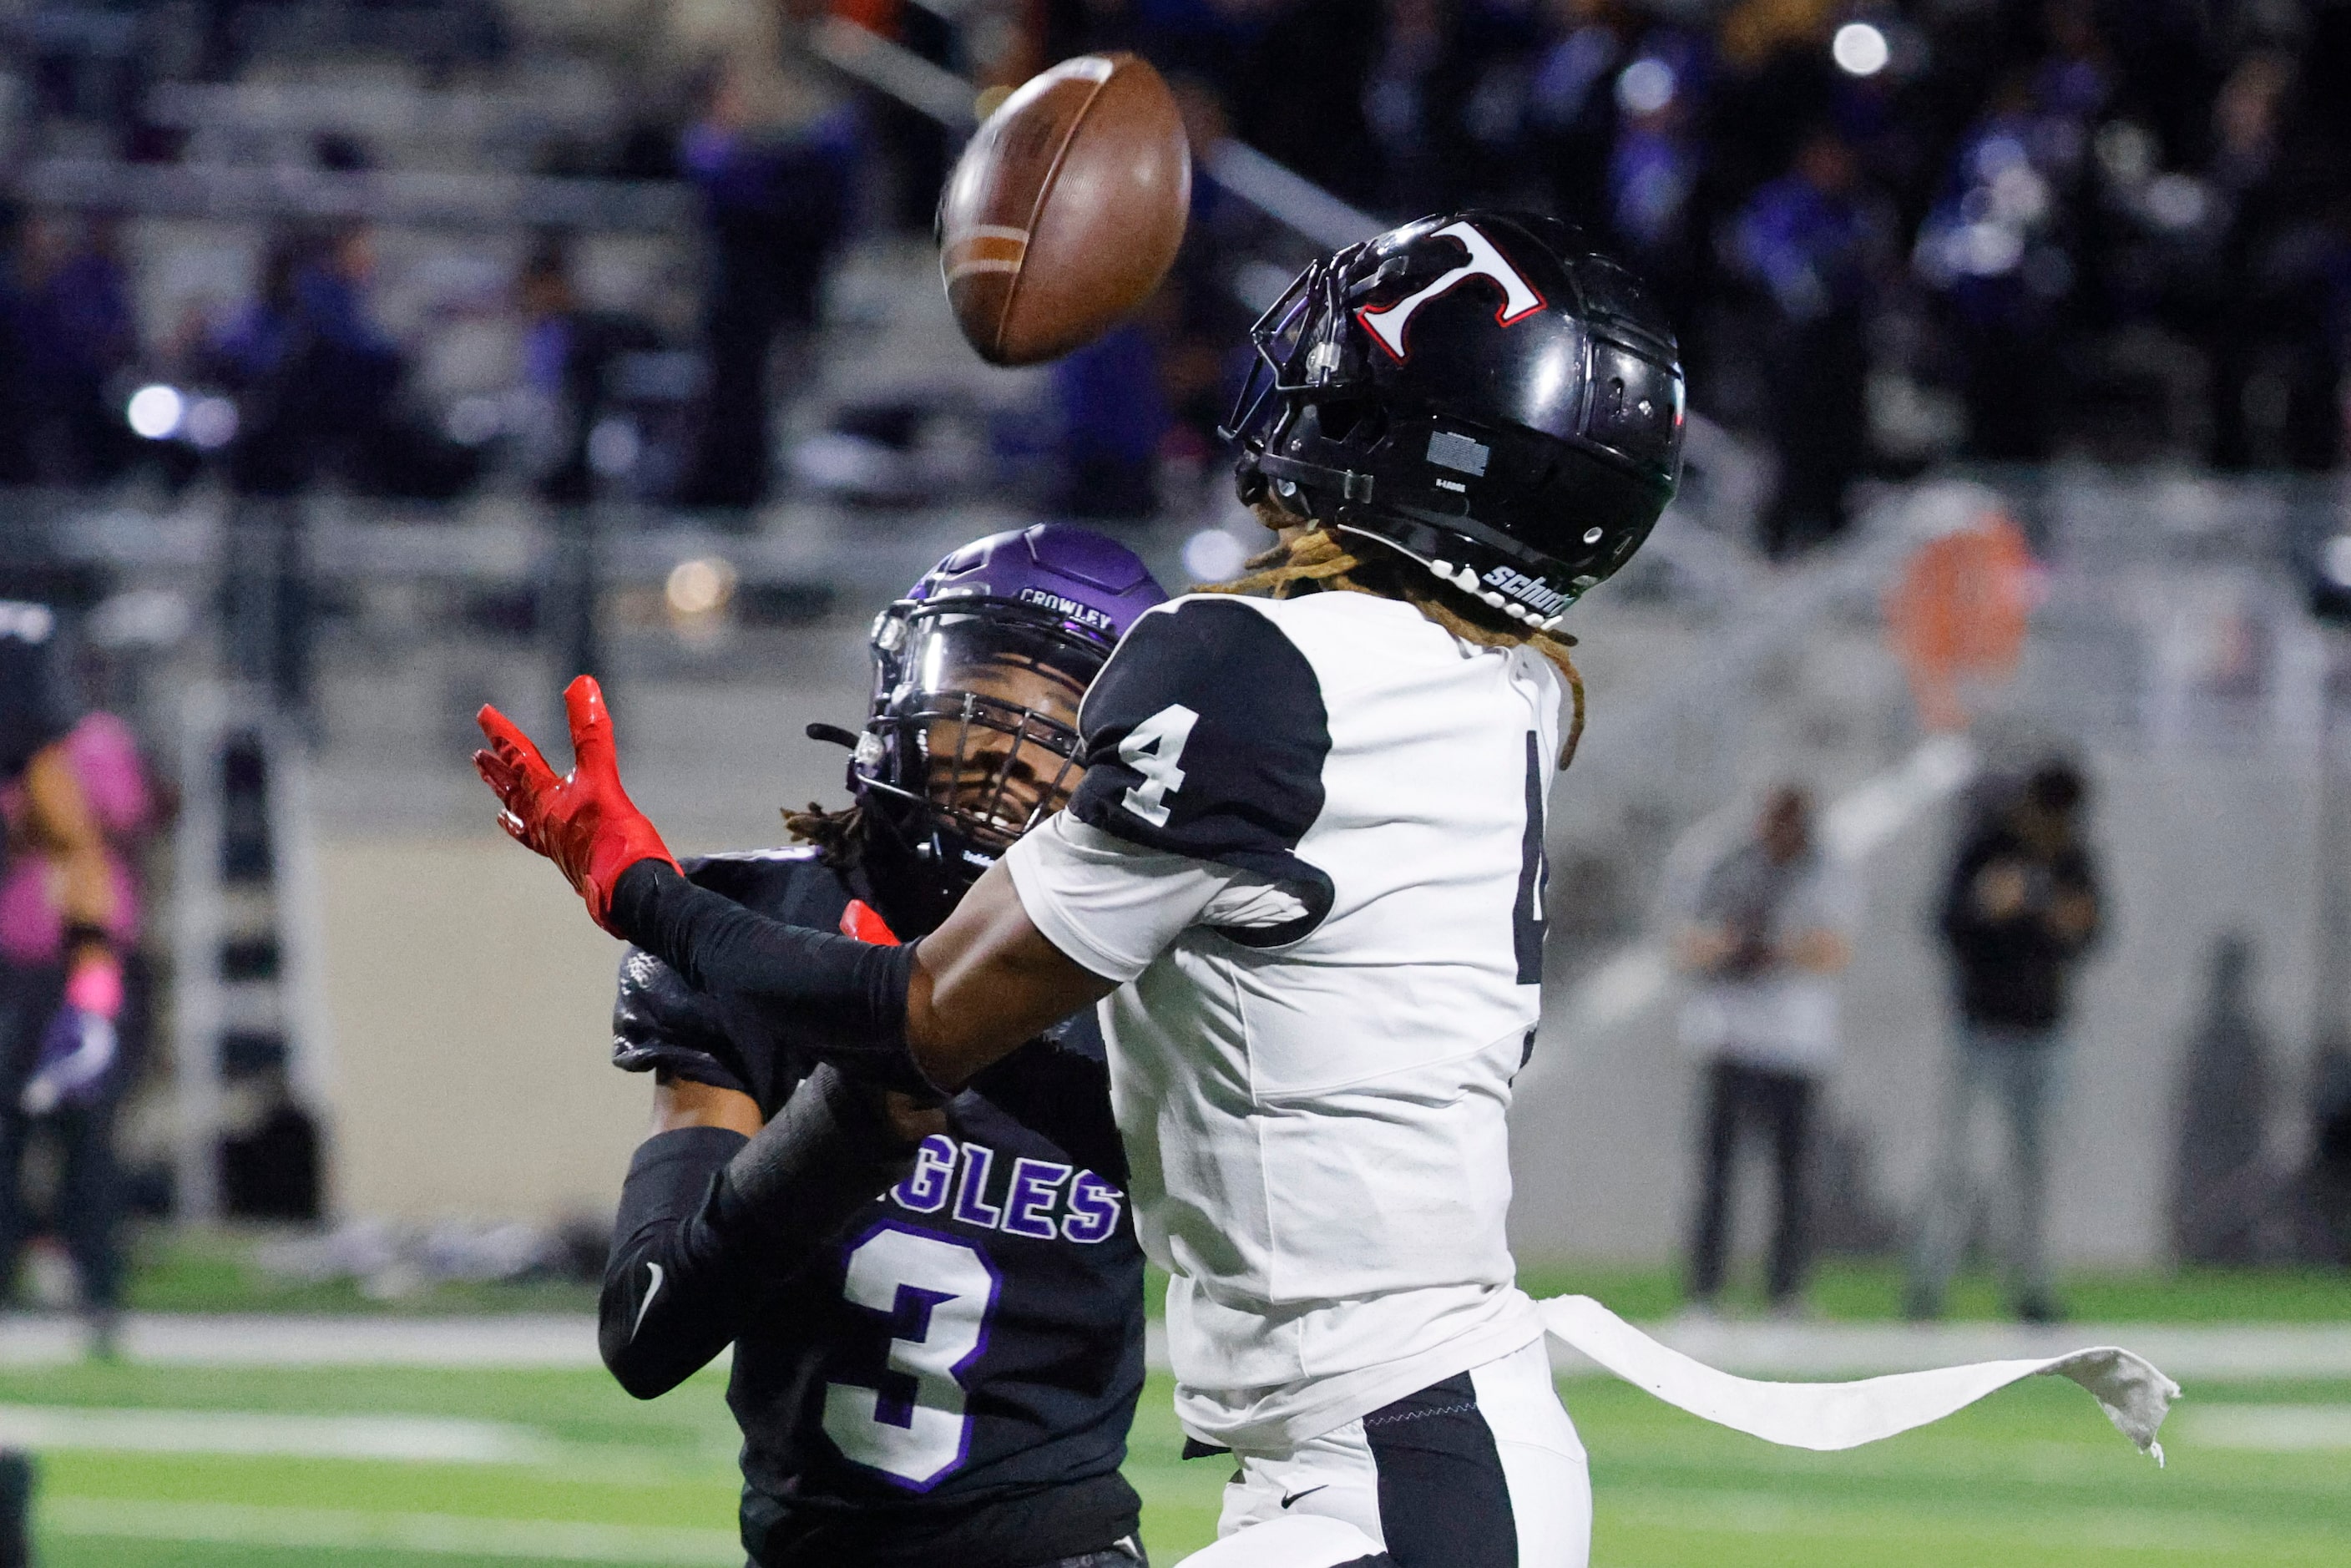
[783,852]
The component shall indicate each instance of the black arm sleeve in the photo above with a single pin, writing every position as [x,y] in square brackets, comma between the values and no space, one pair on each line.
[829,1152]
[852,994]
[670,1301]
[707,1216]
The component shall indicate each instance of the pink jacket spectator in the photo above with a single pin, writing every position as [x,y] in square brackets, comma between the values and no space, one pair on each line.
[105,757]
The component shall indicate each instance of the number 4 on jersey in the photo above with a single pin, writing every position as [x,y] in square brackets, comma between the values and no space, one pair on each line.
[1153,748]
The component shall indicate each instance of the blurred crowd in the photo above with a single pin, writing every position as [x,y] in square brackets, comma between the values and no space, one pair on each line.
[1993,229]
[1891,234]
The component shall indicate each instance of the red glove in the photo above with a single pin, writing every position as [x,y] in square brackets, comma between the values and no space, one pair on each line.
[584,822]
[861,922]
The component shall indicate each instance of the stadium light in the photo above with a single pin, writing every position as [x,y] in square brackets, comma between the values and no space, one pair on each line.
[2176,201]
[612,446]
[211,423]
[699,586]
[155,412]
[2336,560]
[474,421]
[1646,86]
[1990,250]
[1860,49]
[1213,555]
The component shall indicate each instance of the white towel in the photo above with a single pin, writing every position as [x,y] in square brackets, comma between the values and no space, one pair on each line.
[1826,1415]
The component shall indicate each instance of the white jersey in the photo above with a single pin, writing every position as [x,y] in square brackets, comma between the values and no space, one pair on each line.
[1309,845]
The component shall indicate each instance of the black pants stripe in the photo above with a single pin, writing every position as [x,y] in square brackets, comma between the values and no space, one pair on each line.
[1481,1471]
[1444,1502]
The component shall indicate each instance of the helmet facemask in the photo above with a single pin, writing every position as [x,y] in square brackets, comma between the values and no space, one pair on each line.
[973,738]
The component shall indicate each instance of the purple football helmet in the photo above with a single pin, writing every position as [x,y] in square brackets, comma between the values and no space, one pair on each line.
[972,738]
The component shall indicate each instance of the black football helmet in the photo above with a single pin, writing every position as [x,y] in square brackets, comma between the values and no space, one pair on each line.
[1479,390]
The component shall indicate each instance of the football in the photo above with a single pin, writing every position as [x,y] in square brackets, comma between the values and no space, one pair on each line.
[1065,211]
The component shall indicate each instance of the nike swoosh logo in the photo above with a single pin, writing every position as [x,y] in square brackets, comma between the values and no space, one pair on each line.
[647,1305]
[1289,1497]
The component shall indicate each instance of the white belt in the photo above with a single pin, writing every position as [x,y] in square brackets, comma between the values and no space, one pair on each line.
[1824,1415]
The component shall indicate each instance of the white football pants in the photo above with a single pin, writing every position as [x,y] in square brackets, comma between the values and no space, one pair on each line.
[1481,1471]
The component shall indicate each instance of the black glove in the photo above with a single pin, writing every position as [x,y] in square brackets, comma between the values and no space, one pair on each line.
[662,1024]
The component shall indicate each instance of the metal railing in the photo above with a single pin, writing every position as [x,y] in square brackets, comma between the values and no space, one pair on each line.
[241,879]
[423,198]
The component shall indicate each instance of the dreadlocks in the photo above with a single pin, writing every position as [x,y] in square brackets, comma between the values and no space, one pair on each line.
[834,834]
[1318,559]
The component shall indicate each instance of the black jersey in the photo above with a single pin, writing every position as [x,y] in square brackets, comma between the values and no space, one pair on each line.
[33,710]
[33,706]
[953,1381]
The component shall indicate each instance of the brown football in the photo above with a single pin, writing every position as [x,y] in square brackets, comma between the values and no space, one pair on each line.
[1066,209]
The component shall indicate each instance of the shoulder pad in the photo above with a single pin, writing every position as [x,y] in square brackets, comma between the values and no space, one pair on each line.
[1206,736]
[765,880]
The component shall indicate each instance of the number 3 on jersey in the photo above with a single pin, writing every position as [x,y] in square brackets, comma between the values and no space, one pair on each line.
[1155,748]
[936,1296]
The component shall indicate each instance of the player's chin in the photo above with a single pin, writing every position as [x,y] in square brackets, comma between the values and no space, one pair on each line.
[1011,808]
[994,831]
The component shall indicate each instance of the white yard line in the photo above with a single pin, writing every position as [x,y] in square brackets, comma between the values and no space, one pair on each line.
[432,1438]
[322,1529]
[167,1339]
[2268,1428]
[1762,1349]
[2216,1352]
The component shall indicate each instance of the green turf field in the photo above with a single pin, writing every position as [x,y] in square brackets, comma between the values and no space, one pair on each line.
[563,1469]
[1869,1289]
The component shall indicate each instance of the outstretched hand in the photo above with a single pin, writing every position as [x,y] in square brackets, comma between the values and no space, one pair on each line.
[584,821]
